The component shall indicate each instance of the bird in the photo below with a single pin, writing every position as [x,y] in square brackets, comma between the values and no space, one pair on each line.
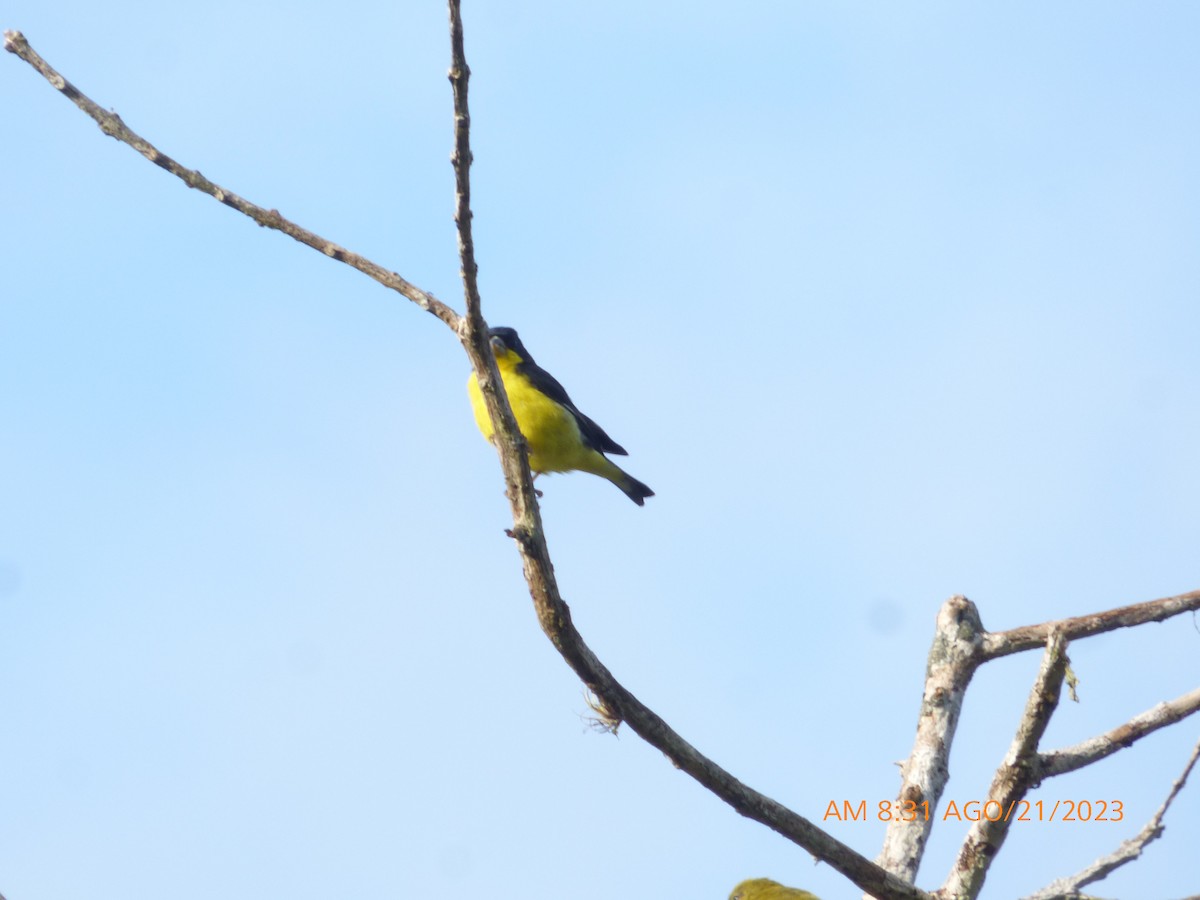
[766,889]
[559,437]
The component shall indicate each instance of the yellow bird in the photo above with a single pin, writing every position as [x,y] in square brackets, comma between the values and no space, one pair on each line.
[766,889]
[559,436]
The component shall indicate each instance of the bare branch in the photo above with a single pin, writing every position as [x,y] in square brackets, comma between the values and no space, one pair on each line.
[1016,640]
[461,158]
[953,659]
[110,123]
[1013,778]
[624,706]
[473,330]
[1068,888]
[1059,762]
[553,613]
[960,646]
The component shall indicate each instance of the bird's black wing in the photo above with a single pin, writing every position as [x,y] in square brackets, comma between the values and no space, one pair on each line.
[593,435]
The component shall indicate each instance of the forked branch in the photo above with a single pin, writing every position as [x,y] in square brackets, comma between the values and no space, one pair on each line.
[1069,888]
[960,646]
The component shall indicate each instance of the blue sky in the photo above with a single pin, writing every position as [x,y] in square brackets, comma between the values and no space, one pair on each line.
[887,303]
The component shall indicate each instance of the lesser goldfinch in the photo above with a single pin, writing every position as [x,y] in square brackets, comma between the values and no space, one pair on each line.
[766,889]
[560,438]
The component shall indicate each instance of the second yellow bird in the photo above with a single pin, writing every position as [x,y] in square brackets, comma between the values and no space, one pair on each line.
[766,889]
[560,438]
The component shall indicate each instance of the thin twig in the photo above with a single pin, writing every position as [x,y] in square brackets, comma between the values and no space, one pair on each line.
[110,123]
[461,158]
[1059,762]
[953,659]
[1068,888]
[1015,640]
[1013,778]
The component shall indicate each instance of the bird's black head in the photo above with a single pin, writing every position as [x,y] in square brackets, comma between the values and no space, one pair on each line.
[505,340]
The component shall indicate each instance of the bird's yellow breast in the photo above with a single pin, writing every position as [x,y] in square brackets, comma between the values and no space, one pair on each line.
[551,432]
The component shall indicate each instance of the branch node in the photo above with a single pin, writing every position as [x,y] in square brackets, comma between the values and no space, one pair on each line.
[522,535]
[607,719]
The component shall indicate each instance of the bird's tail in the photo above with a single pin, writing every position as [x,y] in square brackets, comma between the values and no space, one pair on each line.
[633,489]
[601,465]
